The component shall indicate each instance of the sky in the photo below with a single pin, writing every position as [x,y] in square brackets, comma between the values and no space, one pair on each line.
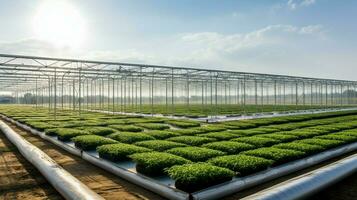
[314,38]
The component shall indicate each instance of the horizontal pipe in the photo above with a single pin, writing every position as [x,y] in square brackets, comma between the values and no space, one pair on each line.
[67,185]
[309,183]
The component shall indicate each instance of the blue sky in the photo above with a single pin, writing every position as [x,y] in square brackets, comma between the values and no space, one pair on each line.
[295,37]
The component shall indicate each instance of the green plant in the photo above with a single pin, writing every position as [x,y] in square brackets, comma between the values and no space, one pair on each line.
[192,140]
[41,126]
[322,142]
[242,164]
[196,154]
[90,142]
[119,151]
[256,141]
[102,131]
[51,131]
[307,148]
[159,145]
[130,137]
[197,176]
[183,124]
[65,134]
[154,163]
[160,135]
[280,137]
[229,147]
[219,135]
[152,126]
[126,128]
[279,156]
[344,138]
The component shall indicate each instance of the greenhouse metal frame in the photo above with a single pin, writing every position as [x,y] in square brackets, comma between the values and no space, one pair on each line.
[80,85]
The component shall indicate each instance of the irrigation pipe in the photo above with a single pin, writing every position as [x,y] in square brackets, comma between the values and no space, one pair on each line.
[67,185]
[309,183]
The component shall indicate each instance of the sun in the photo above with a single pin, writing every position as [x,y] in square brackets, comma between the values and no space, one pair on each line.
[59,23]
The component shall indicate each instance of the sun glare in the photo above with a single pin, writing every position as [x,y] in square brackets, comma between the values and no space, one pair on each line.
[59,23]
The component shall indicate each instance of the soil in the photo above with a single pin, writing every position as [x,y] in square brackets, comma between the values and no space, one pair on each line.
[19,179]
[104,183]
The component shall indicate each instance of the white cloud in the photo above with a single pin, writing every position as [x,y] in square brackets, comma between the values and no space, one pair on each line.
[295,4]
[272,34]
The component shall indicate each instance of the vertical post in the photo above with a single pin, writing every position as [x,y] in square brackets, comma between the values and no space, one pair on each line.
[275,93]
[303,93]
[62,96]
[188,92]
[79,90]
[55,94]
[113,95]
[255,92]
[141,90]
[296,94]
[36,93]
[172,91]
[166,95]
[312,95]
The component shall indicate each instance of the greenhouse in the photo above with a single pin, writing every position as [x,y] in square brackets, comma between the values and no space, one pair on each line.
[151,89]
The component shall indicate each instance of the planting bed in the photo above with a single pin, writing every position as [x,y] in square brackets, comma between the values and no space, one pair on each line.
[191,155]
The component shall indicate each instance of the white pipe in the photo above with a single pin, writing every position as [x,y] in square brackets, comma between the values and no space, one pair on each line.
[67,185]
[309,183]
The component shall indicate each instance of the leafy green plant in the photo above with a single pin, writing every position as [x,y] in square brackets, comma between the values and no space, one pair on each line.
[257,141]
[158,134]
[51,131]
[90,142]
[242,164]
[280,137]
[65,134]
[130,137]
[126,128]
[307,148]
[344,138]
[41,126]
[102,131]
[219,135]
[196,154]
[322,142]
[192,140]
[159,145]
[197,176]
[279,156]
[154,163]
[229,147]
[153,126]
[119,151]
[183,124]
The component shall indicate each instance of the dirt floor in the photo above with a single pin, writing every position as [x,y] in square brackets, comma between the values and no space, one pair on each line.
[100,181]
[19,179]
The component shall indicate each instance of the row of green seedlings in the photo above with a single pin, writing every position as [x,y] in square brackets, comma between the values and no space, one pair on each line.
[67,122]
[195,111]
[263,157]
